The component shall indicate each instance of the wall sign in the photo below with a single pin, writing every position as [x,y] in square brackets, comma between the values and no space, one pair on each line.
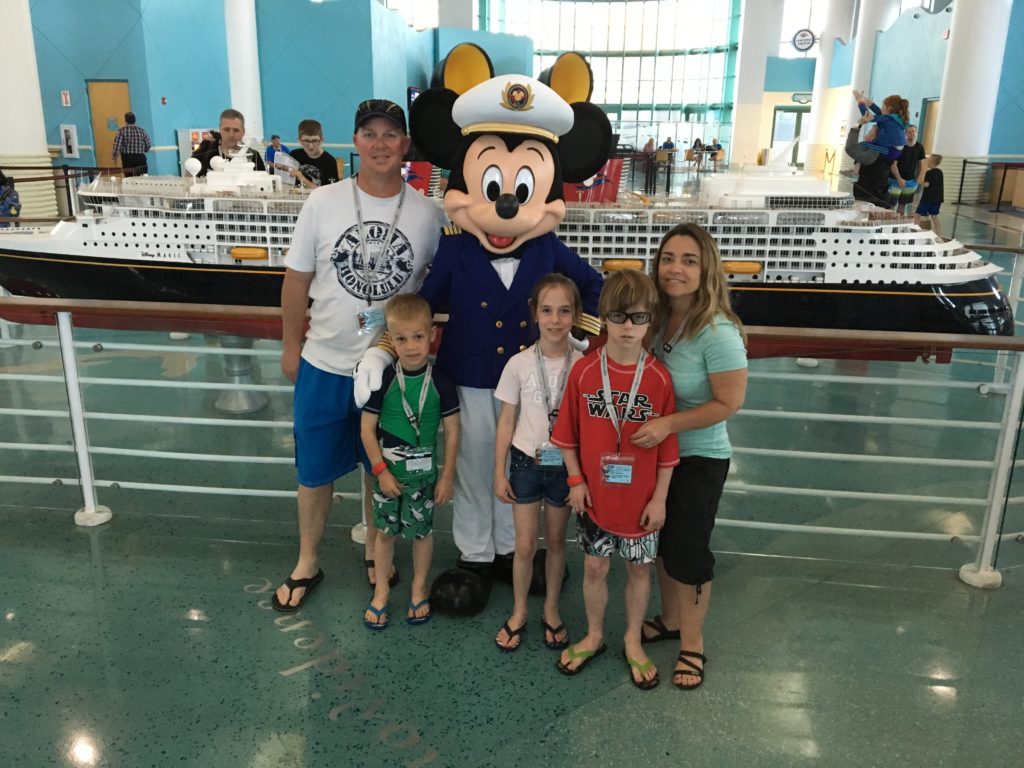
[803,40]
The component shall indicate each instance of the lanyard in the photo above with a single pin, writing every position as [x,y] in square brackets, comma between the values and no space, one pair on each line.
[542,373]
[607,393]
[414,418]
[367,265]
[667,346]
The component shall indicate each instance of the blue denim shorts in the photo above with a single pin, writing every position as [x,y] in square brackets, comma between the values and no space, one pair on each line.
[531,482]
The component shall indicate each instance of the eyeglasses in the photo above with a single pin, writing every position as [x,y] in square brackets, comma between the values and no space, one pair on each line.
[310,141]
[636,318]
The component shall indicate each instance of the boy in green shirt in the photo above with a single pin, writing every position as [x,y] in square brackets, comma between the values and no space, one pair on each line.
[399,432]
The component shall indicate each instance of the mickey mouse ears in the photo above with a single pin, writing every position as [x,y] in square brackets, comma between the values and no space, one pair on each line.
[570,77]
[465,65]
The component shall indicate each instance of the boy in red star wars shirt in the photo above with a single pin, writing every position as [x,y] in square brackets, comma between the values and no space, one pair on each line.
[617,489]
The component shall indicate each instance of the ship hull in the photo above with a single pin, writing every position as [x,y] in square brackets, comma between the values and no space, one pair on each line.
[974,307]
[25,273]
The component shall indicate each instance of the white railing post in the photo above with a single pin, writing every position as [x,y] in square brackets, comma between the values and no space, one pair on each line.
[91,513]
[982,572]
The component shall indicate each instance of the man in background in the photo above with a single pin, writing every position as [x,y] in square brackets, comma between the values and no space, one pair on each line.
[131,144]
[226,142]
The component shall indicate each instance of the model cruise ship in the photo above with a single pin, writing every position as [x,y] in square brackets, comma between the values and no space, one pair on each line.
[796,254]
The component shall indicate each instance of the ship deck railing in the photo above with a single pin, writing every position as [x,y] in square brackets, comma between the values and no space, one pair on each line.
[792,417]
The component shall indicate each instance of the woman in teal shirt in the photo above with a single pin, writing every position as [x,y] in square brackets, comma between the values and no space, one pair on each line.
[703,345]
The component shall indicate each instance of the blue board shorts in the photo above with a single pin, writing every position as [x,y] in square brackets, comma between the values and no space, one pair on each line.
[326,427]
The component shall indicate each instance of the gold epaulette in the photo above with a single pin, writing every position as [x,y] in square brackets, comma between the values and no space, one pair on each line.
[451,229]
[589,324]
[386,344]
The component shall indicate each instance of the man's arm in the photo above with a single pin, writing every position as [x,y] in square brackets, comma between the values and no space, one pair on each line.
[294,303]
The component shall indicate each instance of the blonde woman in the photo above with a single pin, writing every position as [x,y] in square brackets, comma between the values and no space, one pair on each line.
[701,342]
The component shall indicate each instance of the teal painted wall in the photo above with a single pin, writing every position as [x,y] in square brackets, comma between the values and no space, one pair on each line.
[187,64]
[72,46]
[316,61]
[842,64]
[789,75]
[909,59]
[1008,127]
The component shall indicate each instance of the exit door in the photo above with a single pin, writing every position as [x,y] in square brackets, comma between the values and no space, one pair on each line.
[108,101]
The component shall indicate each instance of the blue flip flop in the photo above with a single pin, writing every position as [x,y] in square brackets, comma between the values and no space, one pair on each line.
[378,625]
[411,617]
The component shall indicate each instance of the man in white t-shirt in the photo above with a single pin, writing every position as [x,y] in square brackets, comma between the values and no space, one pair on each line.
[356,244]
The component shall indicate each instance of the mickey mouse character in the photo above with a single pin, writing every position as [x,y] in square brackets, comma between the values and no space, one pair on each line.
[510,142]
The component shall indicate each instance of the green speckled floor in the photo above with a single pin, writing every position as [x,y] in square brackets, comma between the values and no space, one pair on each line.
[148,641]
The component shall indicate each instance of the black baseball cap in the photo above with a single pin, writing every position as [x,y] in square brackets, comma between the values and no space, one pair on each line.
[380,108]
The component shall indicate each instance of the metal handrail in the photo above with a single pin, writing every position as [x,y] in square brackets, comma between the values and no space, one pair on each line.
[980,573]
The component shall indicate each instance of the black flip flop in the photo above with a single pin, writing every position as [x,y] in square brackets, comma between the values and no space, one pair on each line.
[661,632]
[555,645]
[293,584]
[512,633]
[395,578]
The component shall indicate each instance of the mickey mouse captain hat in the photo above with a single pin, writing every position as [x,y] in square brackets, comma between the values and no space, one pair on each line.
[513,104]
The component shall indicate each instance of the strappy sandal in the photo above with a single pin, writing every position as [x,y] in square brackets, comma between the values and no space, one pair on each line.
[693,671]
[574,655]
[643,683]
[368,564]
[661,632]
[293,584]
[512,634]
[555,644]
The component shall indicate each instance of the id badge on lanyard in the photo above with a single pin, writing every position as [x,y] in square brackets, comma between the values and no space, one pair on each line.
[369,320]
[419,458]
[617,468]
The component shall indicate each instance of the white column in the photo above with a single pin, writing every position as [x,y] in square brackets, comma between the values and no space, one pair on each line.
[970,80]
[872,17]
[823,131]
[760,32]
[23,129]
[244,64]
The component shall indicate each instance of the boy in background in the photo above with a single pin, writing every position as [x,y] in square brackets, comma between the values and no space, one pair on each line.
[317,166]
[399,432]
[931,197]
[617,489]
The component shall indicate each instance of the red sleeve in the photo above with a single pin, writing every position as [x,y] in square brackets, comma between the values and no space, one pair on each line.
[567,426]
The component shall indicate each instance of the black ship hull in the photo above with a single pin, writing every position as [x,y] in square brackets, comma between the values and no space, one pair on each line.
[974,307]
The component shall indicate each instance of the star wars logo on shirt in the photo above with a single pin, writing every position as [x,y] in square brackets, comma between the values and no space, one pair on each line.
[642,410]
[385,271]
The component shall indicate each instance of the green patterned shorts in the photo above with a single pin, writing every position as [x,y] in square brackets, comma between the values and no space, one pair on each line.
[411,514]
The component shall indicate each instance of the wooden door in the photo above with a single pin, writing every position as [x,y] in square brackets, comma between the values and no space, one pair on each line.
[926,134]
[108,101]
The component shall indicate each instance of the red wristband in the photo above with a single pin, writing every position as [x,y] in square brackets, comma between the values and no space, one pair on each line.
[575,480]
[379,468]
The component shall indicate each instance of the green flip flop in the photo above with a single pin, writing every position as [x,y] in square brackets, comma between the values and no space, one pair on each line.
[574,655]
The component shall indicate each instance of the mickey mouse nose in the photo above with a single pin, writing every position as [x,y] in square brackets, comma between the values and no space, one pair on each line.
[507,206]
